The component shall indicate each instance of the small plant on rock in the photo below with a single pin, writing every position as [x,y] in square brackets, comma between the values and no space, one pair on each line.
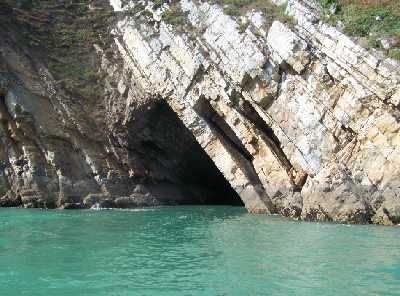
[82,8]
[395,54]
[375,43]
[157,4]
[138,7]
[17,108]
[242,27]
[174,17]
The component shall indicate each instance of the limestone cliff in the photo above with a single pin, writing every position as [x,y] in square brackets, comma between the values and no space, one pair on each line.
[298,120]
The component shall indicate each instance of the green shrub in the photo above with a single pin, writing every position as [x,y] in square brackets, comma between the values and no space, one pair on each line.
[324,3]
[174,17]
[17,108]
[242,27]
[167,16]
[139,22]
[360,21]
[33,43]
[240,2]
[27,4]
[71,68]
[81,35]
[391,23]
[375,43]
[82,8]
[232,10]
[157,4]
[88,91]
[395,54]
[359,26]
[152,35]
[138,7]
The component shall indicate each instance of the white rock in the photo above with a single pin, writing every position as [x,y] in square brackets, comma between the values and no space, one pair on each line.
[286,46]
[116,4]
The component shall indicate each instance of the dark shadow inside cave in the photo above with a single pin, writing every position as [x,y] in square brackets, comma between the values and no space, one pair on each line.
[174,151]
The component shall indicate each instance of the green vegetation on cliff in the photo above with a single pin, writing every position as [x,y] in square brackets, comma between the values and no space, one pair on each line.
[270,10]
[63,34]
[375,20]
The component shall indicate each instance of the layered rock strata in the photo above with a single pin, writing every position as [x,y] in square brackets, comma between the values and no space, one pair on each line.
[300,121]
[54,155]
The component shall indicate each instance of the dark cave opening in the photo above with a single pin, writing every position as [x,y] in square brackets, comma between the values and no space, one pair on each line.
[184,161]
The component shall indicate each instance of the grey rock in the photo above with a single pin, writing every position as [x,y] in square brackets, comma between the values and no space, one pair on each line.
[333,9]
[341,25]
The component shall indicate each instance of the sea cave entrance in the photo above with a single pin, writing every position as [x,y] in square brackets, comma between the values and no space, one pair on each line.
[171,149]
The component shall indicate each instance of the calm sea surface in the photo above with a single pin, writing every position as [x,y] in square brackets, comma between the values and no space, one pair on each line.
[192,250]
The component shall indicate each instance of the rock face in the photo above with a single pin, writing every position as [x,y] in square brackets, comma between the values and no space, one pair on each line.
[298,121]
[51,157]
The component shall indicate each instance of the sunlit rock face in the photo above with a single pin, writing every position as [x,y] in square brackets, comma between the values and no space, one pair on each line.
[298,121]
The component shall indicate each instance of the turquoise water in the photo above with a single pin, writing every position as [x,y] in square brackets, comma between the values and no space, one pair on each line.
[192,250]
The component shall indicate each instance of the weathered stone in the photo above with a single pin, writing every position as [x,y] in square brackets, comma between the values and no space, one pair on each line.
[286,46]
[333,196]
[10,199]
[381,217]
